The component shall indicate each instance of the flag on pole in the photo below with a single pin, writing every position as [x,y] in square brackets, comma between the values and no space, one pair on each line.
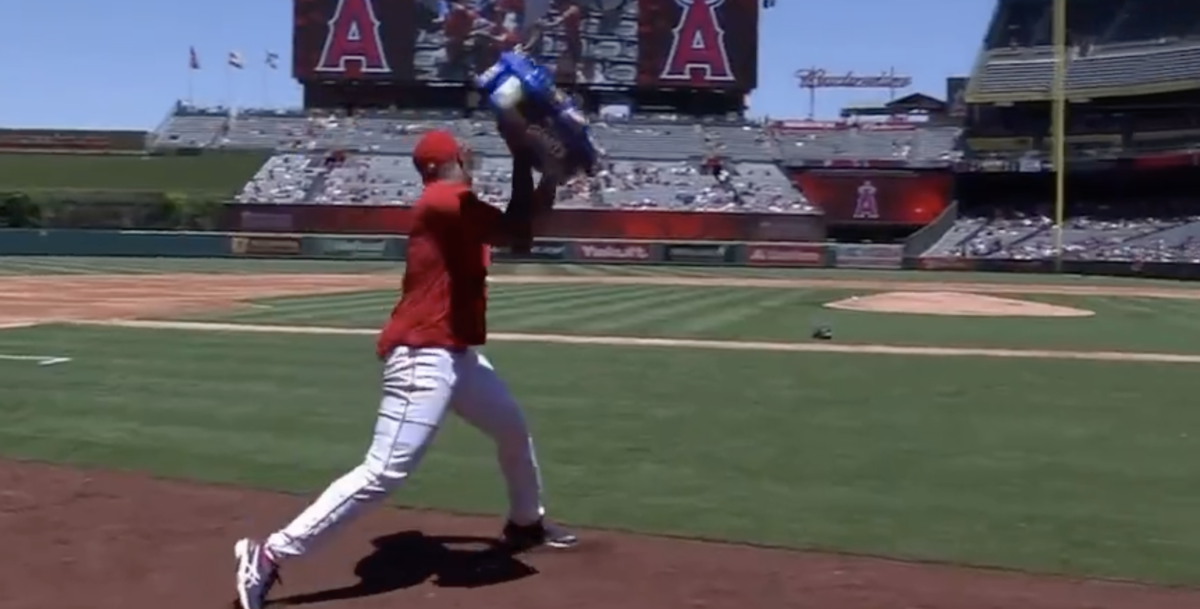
[272,60]
[193,59]
[235,60]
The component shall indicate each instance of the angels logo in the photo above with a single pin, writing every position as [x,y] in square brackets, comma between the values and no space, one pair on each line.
[698,53]
[866,207]
[353,43]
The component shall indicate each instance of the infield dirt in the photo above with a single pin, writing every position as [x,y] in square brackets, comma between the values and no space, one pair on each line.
[101,539]
[115,540]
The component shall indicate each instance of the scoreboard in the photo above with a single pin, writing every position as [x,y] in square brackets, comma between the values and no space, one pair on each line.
[619,44]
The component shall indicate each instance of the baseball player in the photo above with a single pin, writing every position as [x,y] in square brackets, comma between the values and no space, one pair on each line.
[431,366]
[570,20]
[457,24]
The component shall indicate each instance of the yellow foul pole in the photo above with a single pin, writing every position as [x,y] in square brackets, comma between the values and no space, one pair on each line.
[1059,126]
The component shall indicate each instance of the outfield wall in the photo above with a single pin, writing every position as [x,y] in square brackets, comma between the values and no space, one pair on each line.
[1110,268]
[21,242]
[565,223]
[157,244]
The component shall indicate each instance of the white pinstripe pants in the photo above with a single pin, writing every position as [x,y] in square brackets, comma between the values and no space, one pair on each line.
[419,386]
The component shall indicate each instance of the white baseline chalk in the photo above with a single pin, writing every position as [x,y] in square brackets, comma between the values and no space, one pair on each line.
[41,360]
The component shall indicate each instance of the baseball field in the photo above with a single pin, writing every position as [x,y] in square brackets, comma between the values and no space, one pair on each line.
[963,442]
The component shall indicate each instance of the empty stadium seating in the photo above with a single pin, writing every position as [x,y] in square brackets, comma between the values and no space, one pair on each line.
[1103,69]
[825,141]
[1115,44]
[653,163]
[1149,240]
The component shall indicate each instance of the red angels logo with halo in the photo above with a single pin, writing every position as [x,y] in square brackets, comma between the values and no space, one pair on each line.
[698,54]
[353,44]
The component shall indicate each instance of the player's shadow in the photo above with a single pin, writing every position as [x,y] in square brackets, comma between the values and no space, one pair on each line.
[410,558]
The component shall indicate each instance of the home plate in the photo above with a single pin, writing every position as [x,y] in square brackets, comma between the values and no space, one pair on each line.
[954,303]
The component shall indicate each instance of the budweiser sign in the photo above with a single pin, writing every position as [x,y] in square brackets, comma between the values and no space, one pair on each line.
[784,255]
[627,252]
[802,125]
[816,78]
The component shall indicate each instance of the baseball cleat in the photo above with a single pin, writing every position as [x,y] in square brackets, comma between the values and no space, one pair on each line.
[540,533]
[256,573]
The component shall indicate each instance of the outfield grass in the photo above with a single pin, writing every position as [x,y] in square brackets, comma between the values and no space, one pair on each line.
[218,172]
[766,314]
[1057,466]
[1047,465]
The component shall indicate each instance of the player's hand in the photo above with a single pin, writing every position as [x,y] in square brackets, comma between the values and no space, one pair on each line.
[523,160]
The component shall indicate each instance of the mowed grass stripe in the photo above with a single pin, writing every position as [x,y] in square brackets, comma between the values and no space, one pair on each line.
[349,307]
[535,315]
[128,266]
[752,304]
[66,265]
[663,310]
[582,270]
[638,270]
[512,296]
[57,266]
[574,313]
[371,307]
[325,308]
[368,308]
[17,266]
[1157,310]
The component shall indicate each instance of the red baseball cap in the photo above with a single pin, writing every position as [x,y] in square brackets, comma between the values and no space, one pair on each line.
[436,148]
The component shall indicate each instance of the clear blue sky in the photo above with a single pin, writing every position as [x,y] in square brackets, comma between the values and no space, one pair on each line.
[121,63]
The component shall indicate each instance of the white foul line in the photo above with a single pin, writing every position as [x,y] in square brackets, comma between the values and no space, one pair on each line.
[625,341]
[41,360]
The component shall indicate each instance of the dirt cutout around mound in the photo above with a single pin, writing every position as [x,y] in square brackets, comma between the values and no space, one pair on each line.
[107,540]
[954,303]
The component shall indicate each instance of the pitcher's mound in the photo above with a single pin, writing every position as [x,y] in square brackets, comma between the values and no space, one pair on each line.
[954,303]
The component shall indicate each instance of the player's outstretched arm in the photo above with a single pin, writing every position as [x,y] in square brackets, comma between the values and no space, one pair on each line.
[527,203]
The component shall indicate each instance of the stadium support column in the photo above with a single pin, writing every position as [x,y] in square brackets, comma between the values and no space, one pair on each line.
[1059,128]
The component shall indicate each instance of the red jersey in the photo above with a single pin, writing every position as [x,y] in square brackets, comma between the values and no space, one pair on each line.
[510,6]
[459,23]
[508,40]
[572,22]
[444,303]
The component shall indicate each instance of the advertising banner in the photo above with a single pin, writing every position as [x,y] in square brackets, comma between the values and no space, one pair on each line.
[542,251]
[870,256]
[700,253]
[358,248]
[891,197]
[785,255]
[946,264]
[651,225]
[266,246]
[266,220]
[613,251]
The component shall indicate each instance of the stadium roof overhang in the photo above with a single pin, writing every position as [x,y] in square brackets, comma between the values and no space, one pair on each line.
[1084,95]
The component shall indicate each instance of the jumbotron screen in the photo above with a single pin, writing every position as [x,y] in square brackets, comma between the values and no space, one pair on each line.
[609,43]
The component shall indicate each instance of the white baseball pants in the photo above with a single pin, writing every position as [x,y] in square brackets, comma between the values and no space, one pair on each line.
[419,386]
